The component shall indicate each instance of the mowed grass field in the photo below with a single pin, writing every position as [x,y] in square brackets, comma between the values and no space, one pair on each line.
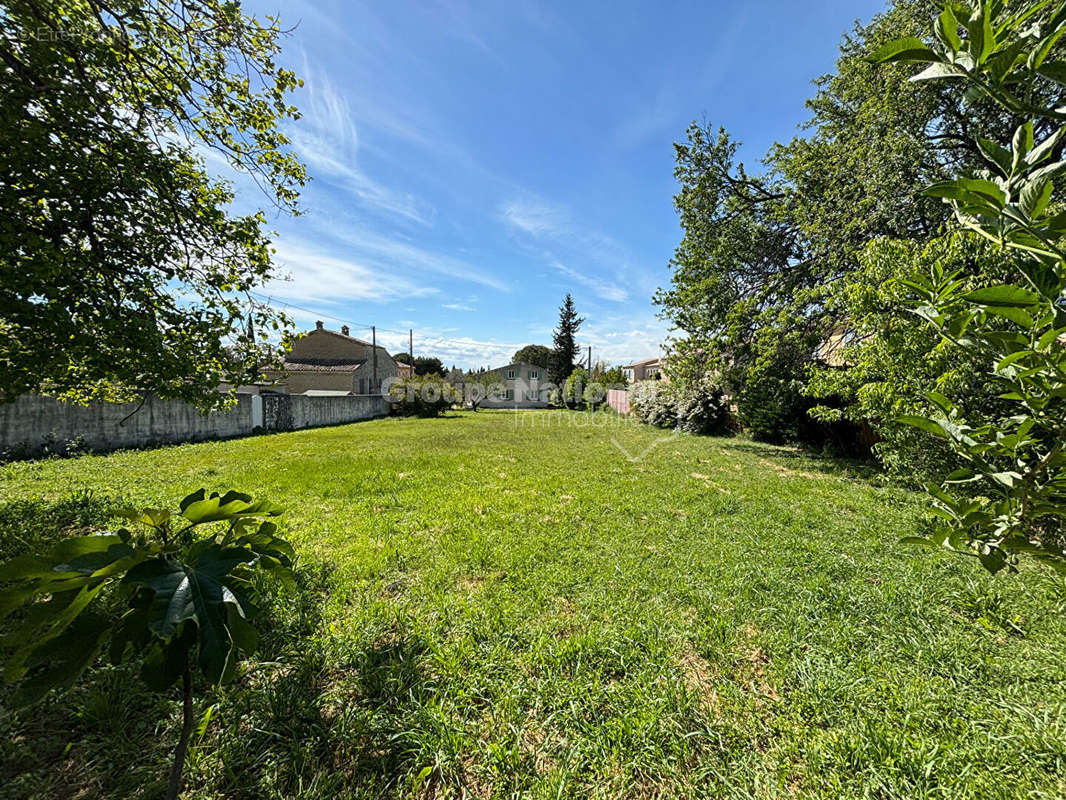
[502,606]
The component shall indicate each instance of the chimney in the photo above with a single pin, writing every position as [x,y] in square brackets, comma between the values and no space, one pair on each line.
[318,325]
[344,329]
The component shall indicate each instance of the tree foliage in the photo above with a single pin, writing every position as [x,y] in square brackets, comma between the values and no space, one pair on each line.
[176,586]
[122,266]
[564,339]
[424,365]
[536,354]
[1014,463]
[763,251]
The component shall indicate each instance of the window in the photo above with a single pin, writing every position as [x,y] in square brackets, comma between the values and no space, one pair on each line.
[531,396]
[534,374]
[510,373]
[508,394]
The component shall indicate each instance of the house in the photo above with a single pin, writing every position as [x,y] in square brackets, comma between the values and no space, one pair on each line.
[649,369]
[518,385]
[327,362]
[404,370]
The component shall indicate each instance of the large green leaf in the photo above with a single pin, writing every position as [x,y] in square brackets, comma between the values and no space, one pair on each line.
[58,662]
[1005,295]
[906,49]
[199,508]
[198,593]
[79,555]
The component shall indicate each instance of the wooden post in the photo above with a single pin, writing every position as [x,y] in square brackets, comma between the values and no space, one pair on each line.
[374,348]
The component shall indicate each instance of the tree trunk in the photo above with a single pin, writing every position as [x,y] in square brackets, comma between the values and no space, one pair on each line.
[187,720]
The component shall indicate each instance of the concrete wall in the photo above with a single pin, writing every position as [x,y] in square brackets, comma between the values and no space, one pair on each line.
[312,412]
[618,399]
[34,425]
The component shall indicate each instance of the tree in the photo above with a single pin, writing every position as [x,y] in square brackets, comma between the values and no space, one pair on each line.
[1014,460]
[424,365]
[123,268]
[536,354]
[565,345]
[613,378]
[761,253]
[573,393]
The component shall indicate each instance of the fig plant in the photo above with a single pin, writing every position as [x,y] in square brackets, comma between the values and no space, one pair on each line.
[175,594]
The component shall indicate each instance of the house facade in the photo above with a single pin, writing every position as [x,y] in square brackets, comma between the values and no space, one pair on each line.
[518,385]
[649,369]
[331,362]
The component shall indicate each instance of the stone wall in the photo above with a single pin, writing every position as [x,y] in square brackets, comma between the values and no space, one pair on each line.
[34,425]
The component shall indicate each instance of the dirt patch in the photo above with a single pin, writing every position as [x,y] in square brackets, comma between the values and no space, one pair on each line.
[699,678]
[470,583]
[752,665]
[785,472]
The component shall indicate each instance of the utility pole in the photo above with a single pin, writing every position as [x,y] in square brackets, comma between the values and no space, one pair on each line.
[590,360]
[411,348]
[374,343]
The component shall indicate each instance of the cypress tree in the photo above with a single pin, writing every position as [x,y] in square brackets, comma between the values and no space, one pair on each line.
[564,340]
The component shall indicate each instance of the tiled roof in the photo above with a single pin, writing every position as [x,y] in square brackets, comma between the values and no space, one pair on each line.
[300,366]
[645,361]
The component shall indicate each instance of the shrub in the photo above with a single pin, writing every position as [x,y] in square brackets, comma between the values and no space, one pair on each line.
[428,396]
[773,409]
[654,403]
[574,387]
[158,595]
[701,407]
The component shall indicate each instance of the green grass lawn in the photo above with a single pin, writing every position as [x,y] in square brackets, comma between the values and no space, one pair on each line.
[492,609]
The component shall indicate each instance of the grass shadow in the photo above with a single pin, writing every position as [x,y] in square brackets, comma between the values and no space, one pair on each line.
[32,526]
[798,456]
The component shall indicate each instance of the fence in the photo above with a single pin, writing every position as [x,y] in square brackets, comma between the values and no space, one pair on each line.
[34,424]
[618,399]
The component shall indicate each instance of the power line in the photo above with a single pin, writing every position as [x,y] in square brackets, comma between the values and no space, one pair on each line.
[429,339]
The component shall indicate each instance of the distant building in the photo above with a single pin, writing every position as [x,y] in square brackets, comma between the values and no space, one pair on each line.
[324,361]
[519,385]
[649,369]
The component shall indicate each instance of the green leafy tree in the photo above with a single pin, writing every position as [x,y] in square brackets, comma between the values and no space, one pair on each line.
[423,396]
[614,378]
[536,354]
[885,361]
[573,392]
[123,268]
[424,365]
[1014,461]
[182,586]
[565,343]
[762,251]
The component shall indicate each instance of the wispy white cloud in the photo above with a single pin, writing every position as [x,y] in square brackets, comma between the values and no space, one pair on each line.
[556,238]
[602,288]
[317,277]
[327,139]
[458,307]
[393,253]
[466,352]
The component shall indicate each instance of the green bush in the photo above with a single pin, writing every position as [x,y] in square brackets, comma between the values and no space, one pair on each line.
[701,407]
[175,594]
[428,396]
[654,403]
[891,360]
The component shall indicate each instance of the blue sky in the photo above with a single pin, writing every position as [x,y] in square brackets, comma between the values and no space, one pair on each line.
[474,162]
